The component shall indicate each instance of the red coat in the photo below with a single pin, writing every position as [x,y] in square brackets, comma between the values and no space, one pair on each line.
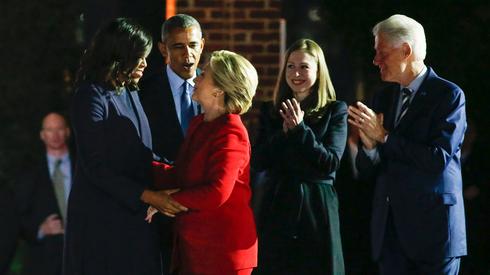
[212,170]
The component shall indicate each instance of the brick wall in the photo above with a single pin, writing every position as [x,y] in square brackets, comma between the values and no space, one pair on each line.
[248,27]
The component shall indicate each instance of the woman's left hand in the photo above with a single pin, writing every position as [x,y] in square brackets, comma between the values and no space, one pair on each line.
[149,213]
[291,113]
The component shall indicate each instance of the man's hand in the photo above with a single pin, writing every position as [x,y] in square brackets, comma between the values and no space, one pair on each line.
[52,225]
[163,202]
[369,123]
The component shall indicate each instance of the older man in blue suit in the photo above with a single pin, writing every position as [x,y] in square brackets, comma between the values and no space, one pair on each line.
[411,139]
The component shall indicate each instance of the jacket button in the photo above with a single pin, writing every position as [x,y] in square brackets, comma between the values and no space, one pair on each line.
[387,199]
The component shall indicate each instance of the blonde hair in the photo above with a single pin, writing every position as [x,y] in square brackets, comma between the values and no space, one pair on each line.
[236,77]
[323,90]
[399,29]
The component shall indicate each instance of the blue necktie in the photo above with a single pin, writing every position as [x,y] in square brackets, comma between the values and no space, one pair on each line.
[186,111]
[406,92]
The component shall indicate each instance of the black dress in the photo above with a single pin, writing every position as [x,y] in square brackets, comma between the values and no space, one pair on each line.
[299,222]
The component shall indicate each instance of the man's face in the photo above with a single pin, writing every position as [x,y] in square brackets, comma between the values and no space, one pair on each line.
[183,48]
[390,60]
[54,132]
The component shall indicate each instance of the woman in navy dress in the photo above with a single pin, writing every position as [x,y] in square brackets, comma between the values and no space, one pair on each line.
[106,231]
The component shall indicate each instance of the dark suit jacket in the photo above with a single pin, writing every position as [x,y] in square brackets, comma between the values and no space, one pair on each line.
[36,200]
[106,231]
[158,103]
[217,235]
[420,171]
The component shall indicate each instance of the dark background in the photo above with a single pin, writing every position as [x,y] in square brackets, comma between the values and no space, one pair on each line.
[41,43]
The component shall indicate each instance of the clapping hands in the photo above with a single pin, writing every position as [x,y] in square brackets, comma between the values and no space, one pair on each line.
[369,124]
[291,113]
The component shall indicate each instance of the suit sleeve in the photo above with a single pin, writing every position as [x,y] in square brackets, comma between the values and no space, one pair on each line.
[446,137]
[164,175]
[324,155]
[89,115]
[24,193]
[270,141]
[229,157]
[365,165]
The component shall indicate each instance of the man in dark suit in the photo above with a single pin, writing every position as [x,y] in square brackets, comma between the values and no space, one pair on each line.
[165,96]
[411,145]
[41,196]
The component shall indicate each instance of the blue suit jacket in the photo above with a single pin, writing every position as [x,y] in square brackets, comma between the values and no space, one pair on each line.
[106,231]
[419,174]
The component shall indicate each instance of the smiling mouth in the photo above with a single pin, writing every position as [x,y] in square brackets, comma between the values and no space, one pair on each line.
[297,81]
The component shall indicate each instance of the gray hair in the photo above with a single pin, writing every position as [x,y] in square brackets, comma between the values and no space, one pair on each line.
[183,21]
[399,29]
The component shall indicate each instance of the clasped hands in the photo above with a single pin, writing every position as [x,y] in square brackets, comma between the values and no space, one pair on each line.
[291,113]
[52,225]
[369,124]
[161,201]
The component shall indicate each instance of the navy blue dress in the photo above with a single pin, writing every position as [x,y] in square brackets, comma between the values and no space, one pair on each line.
[106,231]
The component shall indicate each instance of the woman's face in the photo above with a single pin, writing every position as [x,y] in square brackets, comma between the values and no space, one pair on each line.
[301,73]
[137,73]
[205,91]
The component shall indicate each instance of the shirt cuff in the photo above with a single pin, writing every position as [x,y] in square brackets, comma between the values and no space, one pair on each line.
[372,154]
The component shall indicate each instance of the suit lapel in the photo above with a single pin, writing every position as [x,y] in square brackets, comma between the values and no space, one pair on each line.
[391,118]
[49,187]
[124,110]
[166,100]
[142,120]
[418,103]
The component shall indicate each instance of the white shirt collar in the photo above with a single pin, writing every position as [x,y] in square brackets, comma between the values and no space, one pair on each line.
[417,82]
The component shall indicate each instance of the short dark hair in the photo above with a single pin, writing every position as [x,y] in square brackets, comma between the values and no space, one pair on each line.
[182,21]
[115,49]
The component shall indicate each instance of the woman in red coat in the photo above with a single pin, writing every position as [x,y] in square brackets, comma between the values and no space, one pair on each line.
[214,226]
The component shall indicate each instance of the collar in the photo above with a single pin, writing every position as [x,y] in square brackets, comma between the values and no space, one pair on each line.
[176,81]
[52,159]
[417,82]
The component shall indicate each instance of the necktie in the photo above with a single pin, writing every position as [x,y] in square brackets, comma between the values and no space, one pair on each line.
[186,111]
[58,179]
[406,92]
